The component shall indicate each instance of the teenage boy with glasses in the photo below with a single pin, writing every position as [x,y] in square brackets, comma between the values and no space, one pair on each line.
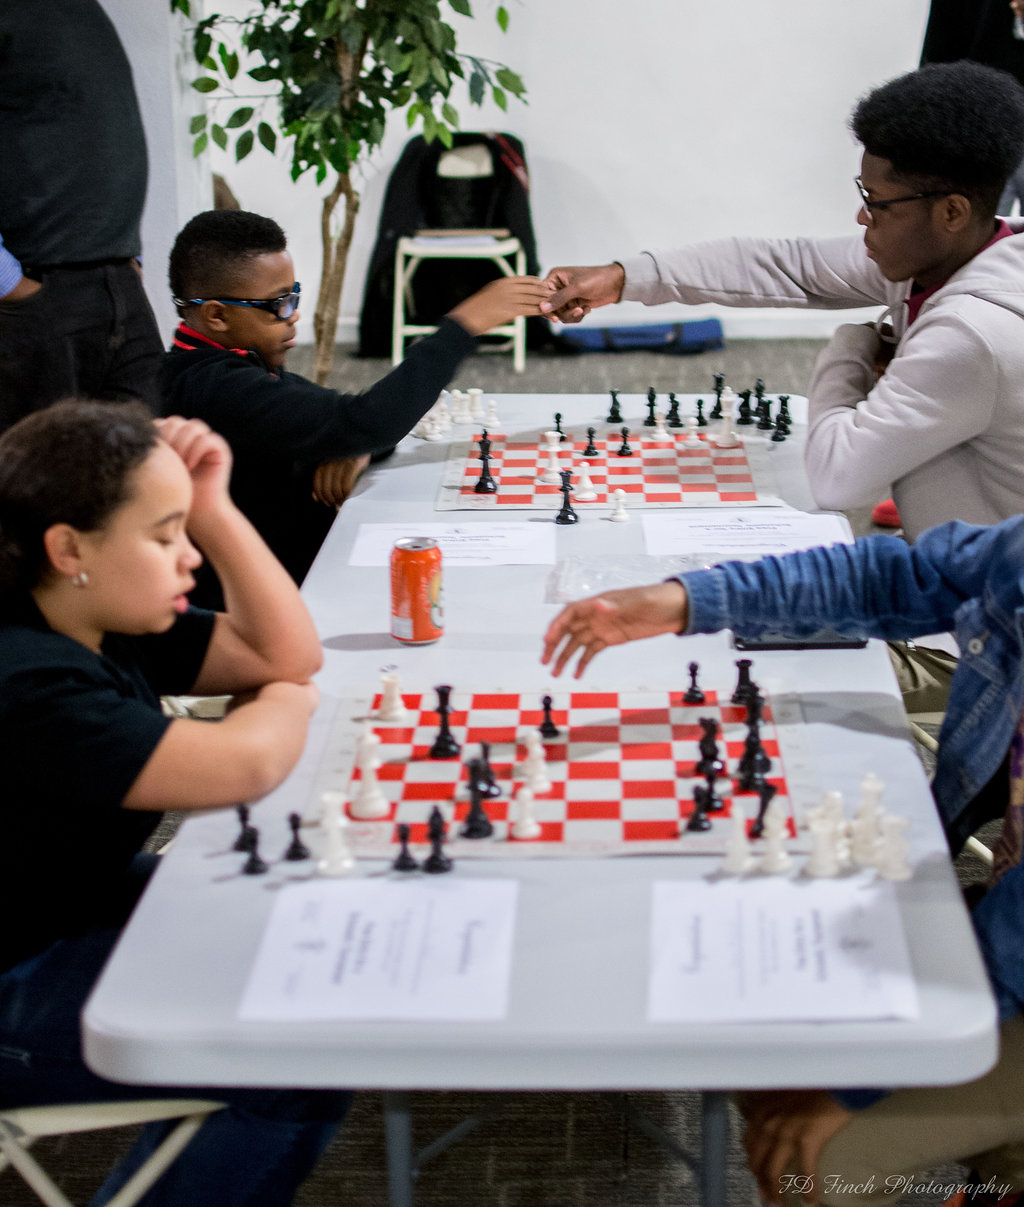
[944,424]
[298,447]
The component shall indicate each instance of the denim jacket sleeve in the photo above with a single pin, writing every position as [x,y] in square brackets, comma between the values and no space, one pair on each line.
[877,587]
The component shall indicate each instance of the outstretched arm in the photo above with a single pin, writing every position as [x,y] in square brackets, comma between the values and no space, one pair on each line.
[613,618]
[577,291]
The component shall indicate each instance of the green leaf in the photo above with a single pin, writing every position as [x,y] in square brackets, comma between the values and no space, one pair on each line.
[201,47]
[502,15]
[229,59]
[461,6]
[439,74]
[204,84]
[199,146]
[219,136]
[197,123]
[500,99]
[210,63]
[239,117]
[508,79]
[180,6]
[262,74]
[476,88]
[244,145]
[445,135]
[450,114]
[267,136]
[412,113]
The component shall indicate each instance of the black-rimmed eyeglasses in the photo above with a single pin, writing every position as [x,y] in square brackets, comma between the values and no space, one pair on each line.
[281,308]
[872,208]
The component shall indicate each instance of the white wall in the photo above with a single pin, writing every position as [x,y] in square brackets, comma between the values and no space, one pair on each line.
[648,124]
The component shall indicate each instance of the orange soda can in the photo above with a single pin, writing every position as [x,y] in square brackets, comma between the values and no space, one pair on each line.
[417,605]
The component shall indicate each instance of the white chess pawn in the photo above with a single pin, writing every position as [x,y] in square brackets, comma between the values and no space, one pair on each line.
[619,513]
[337,858]
[893,849]
[584,492]
[369,802]
[476,403]
[661,434]
[824,859]
[775,859]
[693,439]
[392,708]
[433,431]
[420,429]
[551,475]
[492,422]
[526,825]
[738,857]
[535,766]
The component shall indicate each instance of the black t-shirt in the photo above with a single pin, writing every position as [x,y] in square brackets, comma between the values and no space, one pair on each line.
[76,729]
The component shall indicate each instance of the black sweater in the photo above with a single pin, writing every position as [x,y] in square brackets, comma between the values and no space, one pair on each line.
[281,427]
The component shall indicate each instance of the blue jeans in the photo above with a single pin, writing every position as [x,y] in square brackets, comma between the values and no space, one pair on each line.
[255,1153]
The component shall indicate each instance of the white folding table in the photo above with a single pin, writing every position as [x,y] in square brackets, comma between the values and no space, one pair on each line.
[165,1010]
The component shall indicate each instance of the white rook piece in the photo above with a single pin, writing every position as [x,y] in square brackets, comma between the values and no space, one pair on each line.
[535,769]
[551,475]
[476,403]
[391,709]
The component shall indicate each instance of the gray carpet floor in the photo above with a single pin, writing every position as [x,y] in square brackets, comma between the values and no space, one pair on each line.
[542,1149]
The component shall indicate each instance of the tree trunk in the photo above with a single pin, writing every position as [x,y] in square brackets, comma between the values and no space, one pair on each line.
[332,276]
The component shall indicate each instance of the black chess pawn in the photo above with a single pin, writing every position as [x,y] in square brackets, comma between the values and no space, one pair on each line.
[566,513]
[743,413]
[745,686]
[672,418]
[693,694]
[242,841]
[297,849]
[765,791]
[404,860]
[254,865]
[701,421]
[715,804]
[615,412]
[547,727]
[652,402]
[445,745]
[437,861]
[477,823]
[558,427]
[591,449]
[698,820]
[778,435]
[764,415]
[716,410]
[488,785]
[624,450]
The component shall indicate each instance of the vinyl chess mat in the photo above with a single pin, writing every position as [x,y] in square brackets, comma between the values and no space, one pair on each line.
[622,771]
[658,474]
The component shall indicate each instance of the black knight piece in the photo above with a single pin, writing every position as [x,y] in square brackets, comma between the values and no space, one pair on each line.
[672,418]
[445,746]
[710,755]
[716,410]
[615,413]
[765,791]
[698,821]
[764,415]
[743,414]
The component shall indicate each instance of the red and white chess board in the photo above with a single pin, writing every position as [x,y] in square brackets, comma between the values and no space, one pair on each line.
[622,771]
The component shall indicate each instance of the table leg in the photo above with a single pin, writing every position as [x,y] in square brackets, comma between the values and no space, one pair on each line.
[715,1147]
[398,1140]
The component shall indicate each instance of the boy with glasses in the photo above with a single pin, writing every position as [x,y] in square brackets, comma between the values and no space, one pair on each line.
[943,425]
[298,447]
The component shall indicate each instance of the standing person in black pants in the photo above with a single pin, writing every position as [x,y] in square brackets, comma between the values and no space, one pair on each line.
[74,318]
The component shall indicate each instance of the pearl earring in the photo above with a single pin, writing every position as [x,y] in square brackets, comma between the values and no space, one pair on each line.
[81,579]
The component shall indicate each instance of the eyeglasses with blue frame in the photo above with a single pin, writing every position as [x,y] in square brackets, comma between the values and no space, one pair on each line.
[281,308]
